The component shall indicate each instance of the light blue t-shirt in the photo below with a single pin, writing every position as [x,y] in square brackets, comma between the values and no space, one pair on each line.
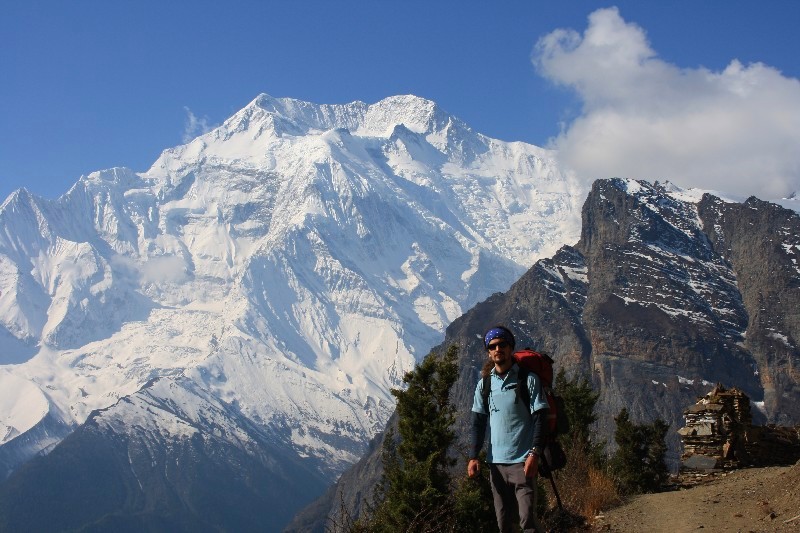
[510,422]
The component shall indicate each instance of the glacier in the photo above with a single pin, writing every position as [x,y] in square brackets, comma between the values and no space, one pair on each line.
[292,264]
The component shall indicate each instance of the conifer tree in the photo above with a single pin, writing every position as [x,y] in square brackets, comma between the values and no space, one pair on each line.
[579,403]
[415,491]
[474,503]
[638,463]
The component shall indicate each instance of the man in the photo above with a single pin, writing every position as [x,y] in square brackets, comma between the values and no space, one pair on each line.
[517,432]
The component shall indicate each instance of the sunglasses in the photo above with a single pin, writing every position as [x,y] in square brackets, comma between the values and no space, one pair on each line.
[497,345]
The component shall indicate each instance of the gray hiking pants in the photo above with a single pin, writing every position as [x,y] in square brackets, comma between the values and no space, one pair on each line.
[514,492]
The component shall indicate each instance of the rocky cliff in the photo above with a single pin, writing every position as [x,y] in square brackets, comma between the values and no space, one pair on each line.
[664,295]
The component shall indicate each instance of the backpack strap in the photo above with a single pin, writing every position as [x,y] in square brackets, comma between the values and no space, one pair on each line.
[523,391]
[486,390]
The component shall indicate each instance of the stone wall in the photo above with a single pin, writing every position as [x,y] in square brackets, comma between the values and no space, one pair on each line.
[719,434]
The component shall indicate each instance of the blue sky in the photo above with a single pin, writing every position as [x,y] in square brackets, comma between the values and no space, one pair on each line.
[88,85]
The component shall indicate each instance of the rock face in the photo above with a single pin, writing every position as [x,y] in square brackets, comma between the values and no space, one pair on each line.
[657,302]
[761,241]
[663,296]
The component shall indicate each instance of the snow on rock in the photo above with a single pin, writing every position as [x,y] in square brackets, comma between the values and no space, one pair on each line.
[293,263]
[22,406]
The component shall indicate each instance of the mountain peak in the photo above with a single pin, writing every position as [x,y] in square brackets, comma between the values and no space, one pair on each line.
[415,113]
[255,135]
[121,177]
[20,195]
[418,114]
[293,262]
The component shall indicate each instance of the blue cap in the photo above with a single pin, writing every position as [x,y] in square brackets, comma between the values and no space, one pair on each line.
[498,333]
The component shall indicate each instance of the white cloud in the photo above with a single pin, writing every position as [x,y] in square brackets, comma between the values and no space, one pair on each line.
[164,269]
[737,130]
[194,126]
[159,269]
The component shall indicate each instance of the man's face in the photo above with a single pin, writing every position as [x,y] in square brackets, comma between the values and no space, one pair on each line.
[499,352]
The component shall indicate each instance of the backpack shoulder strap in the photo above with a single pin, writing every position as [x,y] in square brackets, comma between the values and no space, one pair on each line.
[523,391]
[486,389]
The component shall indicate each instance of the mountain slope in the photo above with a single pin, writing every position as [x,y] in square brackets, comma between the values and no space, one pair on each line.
[293,263]
[664,295]
[147,463]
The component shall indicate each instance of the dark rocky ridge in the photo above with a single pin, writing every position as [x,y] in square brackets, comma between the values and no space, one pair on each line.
[658,301]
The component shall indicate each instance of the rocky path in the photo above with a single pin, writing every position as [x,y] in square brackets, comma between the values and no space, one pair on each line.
[755,499]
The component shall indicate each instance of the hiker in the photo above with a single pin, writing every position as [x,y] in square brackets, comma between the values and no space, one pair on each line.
[517,433]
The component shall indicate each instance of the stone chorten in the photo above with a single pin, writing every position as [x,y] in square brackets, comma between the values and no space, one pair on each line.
[719,434]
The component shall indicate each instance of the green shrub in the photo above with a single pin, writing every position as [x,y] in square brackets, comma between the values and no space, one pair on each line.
[638,464]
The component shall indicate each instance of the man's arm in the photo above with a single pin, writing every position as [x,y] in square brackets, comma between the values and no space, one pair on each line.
[479,421]
[538,418]
[478,434]
[539,411]
[539,414]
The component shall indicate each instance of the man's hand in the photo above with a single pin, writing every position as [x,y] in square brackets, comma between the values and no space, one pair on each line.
[473,467]
[532,465]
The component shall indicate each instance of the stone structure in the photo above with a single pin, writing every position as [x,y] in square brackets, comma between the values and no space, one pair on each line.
[719,434]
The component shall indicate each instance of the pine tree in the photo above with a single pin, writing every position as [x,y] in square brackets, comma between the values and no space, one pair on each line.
[474,503]
[638,463]
[415,491]
[580,401]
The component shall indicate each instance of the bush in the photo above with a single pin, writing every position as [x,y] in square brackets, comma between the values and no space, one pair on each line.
[584,484]
[638,464]
[474,504]
[586,488]
[415,490]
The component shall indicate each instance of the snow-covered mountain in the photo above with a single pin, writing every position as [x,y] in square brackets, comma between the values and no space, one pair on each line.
[291,265]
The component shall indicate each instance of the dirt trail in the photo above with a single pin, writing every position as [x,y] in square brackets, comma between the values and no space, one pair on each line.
[754,499]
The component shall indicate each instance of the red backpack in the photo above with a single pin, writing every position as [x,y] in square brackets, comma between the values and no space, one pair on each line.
[541,365]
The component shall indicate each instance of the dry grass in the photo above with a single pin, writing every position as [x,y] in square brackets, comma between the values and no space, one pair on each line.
[585,490]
